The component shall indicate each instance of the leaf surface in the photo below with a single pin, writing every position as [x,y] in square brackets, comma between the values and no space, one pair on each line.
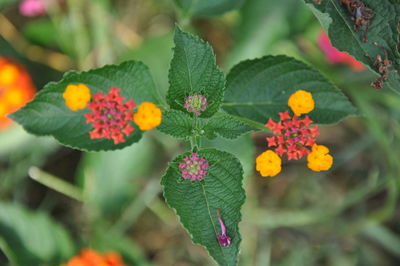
[196,203]
[47,114]
[259,89]
[383,28]
[225,126]
[194,71]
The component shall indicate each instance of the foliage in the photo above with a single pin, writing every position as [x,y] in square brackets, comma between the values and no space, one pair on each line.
[48,115]
[260,88]
[383,29]
[219,114]
[20,240]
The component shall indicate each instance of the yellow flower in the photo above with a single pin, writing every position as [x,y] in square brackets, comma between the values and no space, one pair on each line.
[76,96]
[301,102]
[8,74]
[268,163]
[319,159]
[148,116]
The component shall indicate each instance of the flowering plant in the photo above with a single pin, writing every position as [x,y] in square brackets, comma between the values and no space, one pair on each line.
[112,107]
[196,123]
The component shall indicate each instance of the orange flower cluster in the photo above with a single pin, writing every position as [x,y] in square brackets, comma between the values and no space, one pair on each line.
[295,137]
[109,115]
[16,89]
[90,257]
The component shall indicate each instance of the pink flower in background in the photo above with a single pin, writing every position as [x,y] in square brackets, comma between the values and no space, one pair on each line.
[32,8]
[336,57]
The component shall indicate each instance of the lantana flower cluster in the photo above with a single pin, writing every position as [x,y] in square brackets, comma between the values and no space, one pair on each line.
[194,167]
[292,136]
[16,89]
[196,103]
[111,116]
[295,137]
[90,257]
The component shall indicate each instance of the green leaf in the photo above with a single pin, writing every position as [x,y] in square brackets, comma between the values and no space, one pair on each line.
[206,8]
[180,125]
[259,89]
[225,126]
[47,114]
[32,238]
[177,124]
[383,29]
[194,71]
[196,203]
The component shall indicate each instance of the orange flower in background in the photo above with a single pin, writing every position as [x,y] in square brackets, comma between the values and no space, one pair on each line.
[90,257]
[16,89]
[336,57]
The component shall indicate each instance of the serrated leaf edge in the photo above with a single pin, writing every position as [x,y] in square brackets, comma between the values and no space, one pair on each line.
[288,58]
[179,218]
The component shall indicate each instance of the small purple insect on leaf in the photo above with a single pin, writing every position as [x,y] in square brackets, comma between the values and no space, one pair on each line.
[223,239]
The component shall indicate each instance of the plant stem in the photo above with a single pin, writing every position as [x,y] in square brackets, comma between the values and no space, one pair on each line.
[7,251]
[137,206]
[55,183]
[252,123]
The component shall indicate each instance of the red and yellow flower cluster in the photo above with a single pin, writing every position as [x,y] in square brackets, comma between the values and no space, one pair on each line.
[16,89]
[111,116]
[90,257]
[295,137]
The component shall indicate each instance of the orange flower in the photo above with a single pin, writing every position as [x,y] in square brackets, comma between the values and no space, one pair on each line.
[301,102]
[148,116]
[319,159]
[16,89]
[90,257]
[76,96]
[268,163]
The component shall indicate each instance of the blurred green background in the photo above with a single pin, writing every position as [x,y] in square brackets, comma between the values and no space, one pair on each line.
[347,216]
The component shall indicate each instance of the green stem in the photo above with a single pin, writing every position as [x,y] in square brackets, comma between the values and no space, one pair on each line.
[133,211]
[55,183]
[195,139]
[7,251]
[252,123]
[192,142]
